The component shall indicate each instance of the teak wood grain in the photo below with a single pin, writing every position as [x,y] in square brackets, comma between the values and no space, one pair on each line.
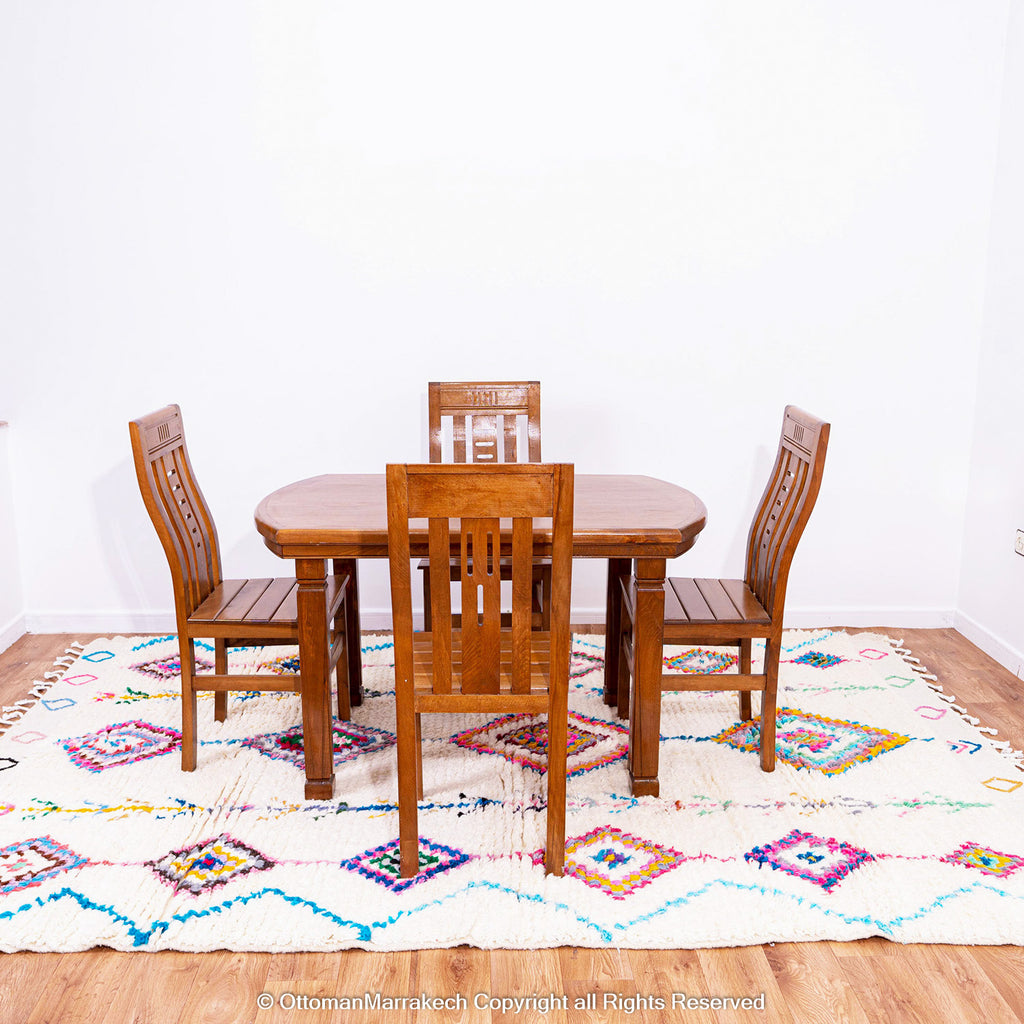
[484,421]
[233,613]
[471,663]
[616,517]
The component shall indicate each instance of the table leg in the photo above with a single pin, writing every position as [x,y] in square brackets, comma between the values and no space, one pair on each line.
[354,652]
[645,701]
[613,677]
[314,644]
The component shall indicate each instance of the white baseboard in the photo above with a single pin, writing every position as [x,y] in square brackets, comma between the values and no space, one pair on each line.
[1007,656]
[14,630]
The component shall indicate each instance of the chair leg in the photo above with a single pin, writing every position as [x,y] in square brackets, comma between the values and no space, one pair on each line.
[426,599]
[768,705]
[341,669]
[545,611]
[220,666]
[408,825]
[554,850]
[189,741]
[419,758]
[625,681]
[745,711]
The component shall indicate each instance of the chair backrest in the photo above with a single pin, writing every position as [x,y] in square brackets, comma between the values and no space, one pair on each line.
[785,507]
[485,421]
[177,506]
[481,497]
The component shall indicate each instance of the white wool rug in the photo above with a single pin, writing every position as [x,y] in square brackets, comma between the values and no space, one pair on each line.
[890,813]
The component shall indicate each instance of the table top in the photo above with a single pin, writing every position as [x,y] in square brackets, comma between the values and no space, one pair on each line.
[345,516]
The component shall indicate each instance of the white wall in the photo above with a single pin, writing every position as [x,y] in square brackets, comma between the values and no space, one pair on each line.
[679,216]
[12,605]
[991,598]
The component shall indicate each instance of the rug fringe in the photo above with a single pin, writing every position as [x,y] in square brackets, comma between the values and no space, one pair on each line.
[11,713]
[1003,747]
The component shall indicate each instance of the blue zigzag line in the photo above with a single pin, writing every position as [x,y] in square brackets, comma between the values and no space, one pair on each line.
[578,641]
[170,636]
[608,933]
[888,928]
[520,897]
[367,648]
[141,937]
[155,640]
[807,643]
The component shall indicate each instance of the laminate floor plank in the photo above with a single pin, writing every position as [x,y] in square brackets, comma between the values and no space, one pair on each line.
[810,979]
[519,975]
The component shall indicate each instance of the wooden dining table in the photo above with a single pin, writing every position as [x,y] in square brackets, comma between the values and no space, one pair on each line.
[636,522]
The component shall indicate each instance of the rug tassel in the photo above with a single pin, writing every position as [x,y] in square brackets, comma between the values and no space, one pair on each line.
[16,711]
[932,682]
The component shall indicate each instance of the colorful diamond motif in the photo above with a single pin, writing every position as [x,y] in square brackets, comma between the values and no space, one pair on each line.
[614,861]
[701,661]
[523,739]
[828,745]
[123,743]
[382,864]
[533,736]
[825,862]
[818,659]
[32,861]
[204,866]
[350,741]
[169,667]
[986,860]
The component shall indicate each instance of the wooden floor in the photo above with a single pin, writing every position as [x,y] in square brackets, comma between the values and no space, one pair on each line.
[868,981]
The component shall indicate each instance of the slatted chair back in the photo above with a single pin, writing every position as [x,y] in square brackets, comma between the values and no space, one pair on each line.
[496,507]
[177,507]
[785,507]
[486,421]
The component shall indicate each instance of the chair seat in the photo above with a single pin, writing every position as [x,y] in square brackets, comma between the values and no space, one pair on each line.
[699,602]
[270,606]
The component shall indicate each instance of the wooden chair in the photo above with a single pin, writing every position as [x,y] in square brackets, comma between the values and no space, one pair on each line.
[477,665]
[485,420]
[731,613]
[234,613]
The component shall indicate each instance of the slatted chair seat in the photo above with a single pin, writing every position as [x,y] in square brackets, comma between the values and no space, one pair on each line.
[233,613]
[472,663]
[485,420]
[712,601]
[271,603]
[730,612]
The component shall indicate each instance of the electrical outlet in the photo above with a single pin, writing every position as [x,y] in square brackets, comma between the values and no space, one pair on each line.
[1019,545]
